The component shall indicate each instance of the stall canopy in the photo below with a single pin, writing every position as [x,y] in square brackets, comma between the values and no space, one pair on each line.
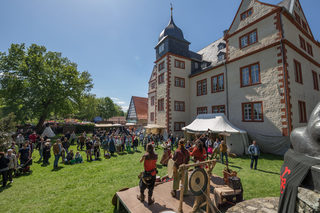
[237,142]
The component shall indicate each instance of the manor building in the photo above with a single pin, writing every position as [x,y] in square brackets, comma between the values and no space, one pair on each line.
[263,73]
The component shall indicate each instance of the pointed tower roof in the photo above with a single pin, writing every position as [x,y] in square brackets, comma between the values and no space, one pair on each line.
[172,30]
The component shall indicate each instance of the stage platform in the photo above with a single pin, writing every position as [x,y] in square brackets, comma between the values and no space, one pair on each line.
[163,199]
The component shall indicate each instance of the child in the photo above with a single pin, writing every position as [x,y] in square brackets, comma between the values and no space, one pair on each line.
[78,158]
[70,159]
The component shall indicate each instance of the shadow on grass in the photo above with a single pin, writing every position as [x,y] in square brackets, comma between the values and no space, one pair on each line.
[130,153]
[4,188]
[159,166]
[269,172]
[45,164]
[57,169]
[122,153]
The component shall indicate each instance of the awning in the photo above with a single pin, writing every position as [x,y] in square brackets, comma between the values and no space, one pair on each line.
[154,126]
[217,123]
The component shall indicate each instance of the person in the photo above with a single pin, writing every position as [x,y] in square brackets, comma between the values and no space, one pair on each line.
[135,143]
[105,145]
[145,142]
[181,156]
[112,148]
[25,155]
[148,177]
[89,146]
[216,148]
[46,152]
[198,152]
[82,140]
[65,144]
[41,146]
[73,137]
[141,136]
[166,155]
[57,149]
[254,152]
[70,159]
[96,148]
[12,164]
[78,158]
[4,167]
[223,151]
[128,141]
[20,140]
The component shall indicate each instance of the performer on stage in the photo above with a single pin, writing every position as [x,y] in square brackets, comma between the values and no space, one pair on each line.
[181,156]
[148,177]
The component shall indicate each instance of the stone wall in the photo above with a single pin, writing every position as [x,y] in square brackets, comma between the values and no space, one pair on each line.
[307,201]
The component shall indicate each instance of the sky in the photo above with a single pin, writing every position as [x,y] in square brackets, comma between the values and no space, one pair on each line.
[114,40]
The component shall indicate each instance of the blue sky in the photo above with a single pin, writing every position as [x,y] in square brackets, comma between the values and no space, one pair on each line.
[114,39]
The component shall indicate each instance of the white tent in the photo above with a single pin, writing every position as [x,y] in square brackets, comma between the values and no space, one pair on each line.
[237,142]
[48,132]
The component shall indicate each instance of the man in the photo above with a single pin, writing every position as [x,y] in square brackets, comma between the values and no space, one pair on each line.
[216,146]
[12,164]
[57,149]
[254,152]
[181,156]
[25,156]
[89,146]
[223,152]
[20,140]
[81,139]
[4,167]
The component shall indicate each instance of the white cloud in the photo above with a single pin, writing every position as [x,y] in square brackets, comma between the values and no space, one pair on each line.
[115,99]
[125,108]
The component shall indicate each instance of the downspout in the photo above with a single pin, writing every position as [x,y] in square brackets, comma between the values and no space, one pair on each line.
[227,89]
[284,72]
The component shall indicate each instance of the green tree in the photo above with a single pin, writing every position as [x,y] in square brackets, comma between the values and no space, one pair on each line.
[7,128]
[87,108]
[35,82]
[106,108]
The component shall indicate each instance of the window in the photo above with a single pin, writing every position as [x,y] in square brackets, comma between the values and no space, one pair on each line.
[298,72]
[161,66]
[304,25]
[221,56]
[152,101]
[298,19]
[302,43]
[179,82]
[178,126]
[250,75]
[248,39]
[218,109]
[252,112]
[161,48]
[246,14]
[152,116]
[302,111]
[315,80]
[196,65]
[202,110]
[179,106]
[309,49]
[161,78]
[153,85]
[202,87]
[179,64]
[217,83]
[161,104]
[221,46]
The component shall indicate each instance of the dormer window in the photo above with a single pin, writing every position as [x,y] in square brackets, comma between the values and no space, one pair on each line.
[161,48]
[203,65]
[221,56]
[246,14]
[221,46]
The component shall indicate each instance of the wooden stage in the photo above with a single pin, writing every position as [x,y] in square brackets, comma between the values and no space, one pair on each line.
[163,199]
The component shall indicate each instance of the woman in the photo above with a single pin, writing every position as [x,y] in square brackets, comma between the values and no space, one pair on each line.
[166,155]
[105,144]
[199,152]
[135,143]
[148,178]
[41,146]
[46,152]
[128,143]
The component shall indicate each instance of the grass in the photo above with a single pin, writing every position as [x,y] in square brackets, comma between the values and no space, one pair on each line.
[90,186]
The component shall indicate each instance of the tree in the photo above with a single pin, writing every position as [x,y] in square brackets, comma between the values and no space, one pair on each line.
[87,107]
[106,108]
[7,128]
[35,82]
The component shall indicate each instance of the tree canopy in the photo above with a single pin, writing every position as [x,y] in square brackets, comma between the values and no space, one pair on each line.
[35,82]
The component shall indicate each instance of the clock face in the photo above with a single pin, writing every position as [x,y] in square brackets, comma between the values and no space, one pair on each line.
[161,48]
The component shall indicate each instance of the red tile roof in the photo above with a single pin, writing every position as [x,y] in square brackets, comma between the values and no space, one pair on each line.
[141,106]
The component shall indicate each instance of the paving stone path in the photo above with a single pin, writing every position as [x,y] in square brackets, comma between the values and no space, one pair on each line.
[258,205]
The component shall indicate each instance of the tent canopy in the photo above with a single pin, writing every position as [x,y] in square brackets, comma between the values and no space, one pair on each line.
[214,122]
[154,126]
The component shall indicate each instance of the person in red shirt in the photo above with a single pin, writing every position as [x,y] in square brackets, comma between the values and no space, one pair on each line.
[199,152]
[148,177]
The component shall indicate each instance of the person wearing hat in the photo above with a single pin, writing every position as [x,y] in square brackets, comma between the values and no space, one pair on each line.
[181,156]
[148,177]
[166,154]
[12,164]
[46,152]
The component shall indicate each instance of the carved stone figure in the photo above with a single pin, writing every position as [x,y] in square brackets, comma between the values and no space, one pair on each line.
[306,140]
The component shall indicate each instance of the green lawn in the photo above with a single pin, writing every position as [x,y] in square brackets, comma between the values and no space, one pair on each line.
[90,186]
